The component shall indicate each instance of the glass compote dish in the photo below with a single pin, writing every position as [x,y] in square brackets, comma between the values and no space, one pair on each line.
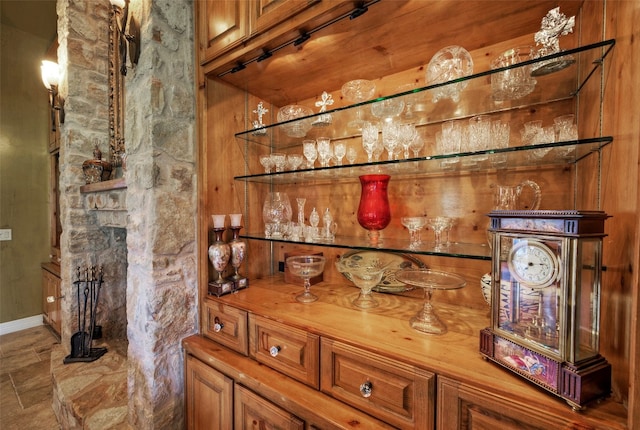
[426,319]
[306,267]
[414,224]
[358,91]
[366,274]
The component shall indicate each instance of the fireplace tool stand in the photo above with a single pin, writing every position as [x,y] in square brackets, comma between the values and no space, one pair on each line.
[89,280]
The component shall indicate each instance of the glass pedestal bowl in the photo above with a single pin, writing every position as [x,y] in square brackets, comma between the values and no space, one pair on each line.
[366,274]
[358,91]
[306,267]
[426,319]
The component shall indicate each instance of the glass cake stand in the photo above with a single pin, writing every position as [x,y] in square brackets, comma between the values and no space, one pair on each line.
[426,320]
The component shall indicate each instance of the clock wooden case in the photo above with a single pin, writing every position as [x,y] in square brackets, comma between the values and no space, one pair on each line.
[545,301]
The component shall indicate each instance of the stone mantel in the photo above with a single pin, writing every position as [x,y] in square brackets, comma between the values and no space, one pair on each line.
[109,200]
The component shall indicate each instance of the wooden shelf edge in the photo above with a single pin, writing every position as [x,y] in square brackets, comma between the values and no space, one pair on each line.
[113,184]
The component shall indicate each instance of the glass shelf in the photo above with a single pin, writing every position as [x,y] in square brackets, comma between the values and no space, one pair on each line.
[476,99]
[455,249]
[548,154]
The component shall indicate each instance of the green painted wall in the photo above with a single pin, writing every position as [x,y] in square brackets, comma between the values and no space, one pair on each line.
[24,173]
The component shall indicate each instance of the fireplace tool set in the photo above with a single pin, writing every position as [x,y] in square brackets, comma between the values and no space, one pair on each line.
[89,282]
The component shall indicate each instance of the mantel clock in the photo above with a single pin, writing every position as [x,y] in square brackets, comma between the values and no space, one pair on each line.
[545,301]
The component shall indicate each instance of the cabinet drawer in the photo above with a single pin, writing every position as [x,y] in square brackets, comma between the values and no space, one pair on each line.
[289,350]
[255,412]
[226,325]
[400,394]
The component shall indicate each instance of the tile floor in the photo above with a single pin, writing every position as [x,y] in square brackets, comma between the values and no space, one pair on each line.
[25,380]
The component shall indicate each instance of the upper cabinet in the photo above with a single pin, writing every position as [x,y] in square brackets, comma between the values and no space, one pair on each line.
[223,25]
[236,29]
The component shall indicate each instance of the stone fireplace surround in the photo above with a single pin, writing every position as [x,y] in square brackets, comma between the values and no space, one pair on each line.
[144,234]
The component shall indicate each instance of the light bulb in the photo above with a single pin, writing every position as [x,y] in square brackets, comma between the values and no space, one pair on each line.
[50,73]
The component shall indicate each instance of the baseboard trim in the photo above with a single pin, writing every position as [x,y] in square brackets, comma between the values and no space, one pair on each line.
[21,324]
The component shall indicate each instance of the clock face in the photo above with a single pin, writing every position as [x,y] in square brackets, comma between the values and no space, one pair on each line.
[533,263]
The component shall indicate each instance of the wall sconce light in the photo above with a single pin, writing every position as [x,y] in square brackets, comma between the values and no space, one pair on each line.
[128,34]
[51,75]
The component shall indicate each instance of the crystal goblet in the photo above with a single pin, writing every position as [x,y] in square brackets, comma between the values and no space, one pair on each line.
[310,152]
[366,274]
[369,139]
[426,319]
[267,162]
[439,225]
[339,151]
[306,267]
[294,161]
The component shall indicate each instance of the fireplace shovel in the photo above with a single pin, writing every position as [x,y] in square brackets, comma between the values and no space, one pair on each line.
[81,350]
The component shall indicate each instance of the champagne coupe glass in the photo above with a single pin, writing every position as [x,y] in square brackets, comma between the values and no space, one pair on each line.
[358,91]
[310,152]
[426,320]
[267,162]
[438,225]
[414,224]
[306,267]
[294,161]
[369,139]
[366,274]
[279,160]
[339,150]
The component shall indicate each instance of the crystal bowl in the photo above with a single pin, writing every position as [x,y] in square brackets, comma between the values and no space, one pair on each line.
[292,113]
[452,62]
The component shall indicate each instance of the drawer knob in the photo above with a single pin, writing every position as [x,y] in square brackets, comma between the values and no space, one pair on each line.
[366,389]
[274,350]
[218,325]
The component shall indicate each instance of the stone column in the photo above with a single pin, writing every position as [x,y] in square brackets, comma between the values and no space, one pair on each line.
[161,199]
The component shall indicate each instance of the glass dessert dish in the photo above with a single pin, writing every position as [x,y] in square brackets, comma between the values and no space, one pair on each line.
[366,274]
[414,224]
[306,267]
[426,320]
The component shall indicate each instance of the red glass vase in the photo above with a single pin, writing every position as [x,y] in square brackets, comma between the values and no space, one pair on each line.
[373,212]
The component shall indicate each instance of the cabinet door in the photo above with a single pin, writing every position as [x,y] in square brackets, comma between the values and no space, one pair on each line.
[463,407]
[46,281]
[252,412]
[208,397]
[55,311]
[265,14]
[222,24]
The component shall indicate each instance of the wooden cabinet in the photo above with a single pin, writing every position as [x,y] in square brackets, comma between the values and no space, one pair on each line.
[208,397]
[265,14]
[222,26]
[382,46]
[51,296]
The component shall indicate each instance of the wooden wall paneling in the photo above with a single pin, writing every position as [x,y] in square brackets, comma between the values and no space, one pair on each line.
[620,324]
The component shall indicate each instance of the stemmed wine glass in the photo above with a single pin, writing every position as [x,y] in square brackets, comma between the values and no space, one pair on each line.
[325,152]
[358,91]
[407,135]
[339,150]
[306,267]
[369,139]
[390,138]
[310,152]
[426,319]
[416,145]
[352,154]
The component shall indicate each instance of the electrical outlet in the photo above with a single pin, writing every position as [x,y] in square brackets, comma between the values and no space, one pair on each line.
[5,234]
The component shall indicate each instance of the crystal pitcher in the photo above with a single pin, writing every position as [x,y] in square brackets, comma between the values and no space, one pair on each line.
[507,197]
